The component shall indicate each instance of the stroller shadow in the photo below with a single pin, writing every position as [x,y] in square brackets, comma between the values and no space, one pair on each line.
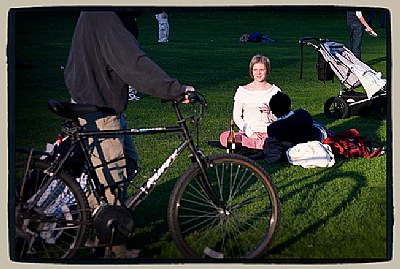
[357,122]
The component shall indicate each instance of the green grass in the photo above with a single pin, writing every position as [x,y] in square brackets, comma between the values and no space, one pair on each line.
[333,213]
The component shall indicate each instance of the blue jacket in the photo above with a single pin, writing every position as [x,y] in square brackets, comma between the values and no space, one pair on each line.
[298,128]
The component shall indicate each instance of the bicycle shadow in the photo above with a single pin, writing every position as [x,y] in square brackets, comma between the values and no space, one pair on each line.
[150,221]
[326,177]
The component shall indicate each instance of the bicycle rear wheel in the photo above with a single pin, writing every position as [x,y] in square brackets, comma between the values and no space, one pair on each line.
[242,228]
[53,226]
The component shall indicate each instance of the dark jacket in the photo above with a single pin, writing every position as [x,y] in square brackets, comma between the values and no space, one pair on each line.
[298,128]
[105,58]
[352,19]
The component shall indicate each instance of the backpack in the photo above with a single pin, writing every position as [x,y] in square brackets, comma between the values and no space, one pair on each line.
[349,144]
[323,69]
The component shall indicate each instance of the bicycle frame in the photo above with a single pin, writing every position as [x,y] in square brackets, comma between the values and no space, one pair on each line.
[81,136]
[219,188]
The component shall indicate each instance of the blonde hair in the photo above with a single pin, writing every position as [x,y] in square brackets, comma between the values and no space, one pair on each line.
[259,59]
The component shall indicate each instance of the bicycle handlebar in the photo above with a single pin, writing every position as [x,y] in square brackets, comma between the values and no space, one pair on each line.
[195,97]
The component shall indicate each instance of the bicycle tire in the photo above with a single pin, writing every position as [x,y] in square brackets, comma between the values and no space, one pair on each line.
[58,224]
[247,226]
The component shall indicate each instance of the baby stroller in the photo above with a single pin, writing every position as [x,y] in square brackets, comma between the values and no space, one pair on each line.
[335,59]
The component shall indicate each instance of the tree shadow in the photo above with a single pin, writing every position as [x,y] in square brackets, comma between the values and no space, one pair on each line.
[376,61]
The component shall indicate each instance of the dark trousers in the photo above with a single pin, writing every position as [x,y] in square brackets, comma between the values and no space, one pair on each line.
[356,34]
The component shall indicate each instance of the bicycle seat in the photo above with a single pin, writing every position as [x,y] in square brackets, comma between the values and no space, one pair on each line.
[73,110]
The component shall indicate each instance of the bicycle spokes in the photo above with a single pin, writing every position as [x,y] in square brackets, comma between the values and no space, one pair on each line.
[239,228]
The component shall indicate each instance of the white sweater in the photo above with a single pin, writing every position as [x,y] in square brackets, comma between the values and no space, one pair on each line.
[247,106]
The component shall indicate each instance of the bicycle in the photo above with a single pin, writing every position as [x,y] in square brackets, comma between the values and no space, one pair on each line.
[222,206]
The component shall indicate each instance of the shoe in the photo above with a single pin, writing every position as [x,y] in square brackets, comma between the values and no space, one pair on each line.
[133,97]
[132,90]
[132,94]
[120,252]
[131,254]
[90,243]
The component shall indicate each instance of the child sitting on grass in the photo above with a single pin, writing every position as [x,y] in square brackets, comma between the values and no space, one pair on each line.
[293,126]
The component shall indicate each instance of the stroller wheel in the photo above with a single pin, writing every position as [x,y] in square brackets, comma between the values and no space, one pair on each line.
[380,108]
[336,108]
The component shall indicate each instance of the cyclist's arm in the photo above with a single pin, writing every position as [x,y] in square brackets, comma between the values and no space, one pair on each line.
[122,52]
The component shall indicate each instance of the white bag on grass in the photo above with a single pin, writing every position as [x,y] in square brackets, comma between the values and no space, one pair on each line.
[311,154]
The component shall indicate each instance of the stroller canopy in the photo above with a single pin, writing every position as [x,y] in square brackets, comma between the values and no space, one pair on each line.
[351,72]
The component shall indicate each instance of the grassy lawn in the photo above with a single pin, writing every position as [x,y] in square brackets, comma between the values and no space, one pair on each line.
[337,213]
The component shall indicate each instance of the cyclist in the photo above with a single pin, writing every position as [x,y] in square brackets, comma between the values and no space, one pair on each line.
[104,59]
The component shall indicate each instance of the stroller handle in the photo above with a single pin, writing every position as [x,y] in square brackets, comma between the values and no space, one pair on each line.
[306,39]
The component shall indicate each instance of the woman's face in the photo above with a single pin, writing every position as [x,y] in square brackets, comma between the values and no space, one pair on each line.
[259,72]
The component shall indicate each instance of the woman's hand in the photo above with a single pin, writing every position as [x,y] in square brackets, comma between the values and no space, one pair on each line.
[256,136]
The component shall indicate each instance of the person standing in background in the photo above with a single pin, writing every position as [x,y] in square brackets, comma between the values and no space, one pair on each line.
[163,27]
[372,16]
[357,24]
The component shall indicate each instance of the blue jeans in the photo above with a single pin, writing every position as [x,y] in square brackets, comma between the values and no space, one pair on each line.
[356,34]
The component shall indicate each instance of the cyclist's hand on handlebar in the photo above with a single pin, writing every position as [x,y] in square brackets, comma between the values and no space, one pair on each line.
[186,98]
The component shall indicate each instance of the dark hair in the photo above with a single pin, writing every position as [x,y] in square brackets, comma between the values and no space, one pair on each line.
[128,19]
[280,104]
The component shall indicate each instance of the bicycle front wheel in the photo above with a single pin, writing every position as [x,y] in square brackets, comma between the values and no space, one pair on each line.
[242,225]
[54,225]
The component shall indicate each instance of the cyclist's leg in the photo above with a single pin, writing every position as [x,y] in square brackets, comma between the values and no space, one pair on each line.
[107,149]
[131,153]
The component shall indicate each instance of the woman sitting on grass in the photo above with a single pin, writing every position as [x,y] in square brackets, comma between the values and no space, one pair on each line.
[251,111]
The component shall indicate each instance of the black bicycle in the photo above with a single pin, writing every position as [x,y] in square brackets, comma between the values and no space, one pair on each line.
[223,206]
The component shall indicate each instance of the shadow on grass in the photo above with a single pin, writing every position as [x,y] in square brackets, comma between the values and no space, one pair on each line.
[326,177]
[376,61]
[150,221]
